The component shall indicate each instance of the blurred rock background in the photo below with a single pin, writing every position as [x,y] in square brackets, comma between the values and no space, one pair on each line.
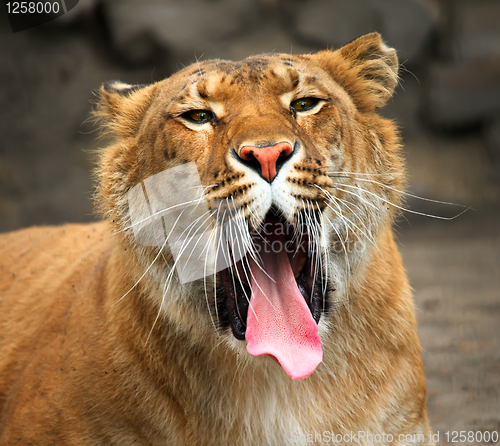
[448,105]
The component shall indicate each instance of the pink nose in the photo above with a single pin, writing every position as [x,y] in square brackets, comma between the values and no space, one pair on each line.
[267,157]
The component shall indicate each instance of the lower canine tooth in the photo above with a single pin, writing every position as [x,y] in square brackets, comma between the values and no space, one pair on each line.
[300,266]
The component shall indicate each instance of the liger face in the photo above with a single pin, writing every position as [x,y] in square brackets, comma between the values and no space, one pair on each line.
[268,205]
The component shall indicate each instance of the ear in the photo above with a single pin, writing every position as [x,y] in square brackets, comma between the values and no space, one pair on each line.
[122,106]
[366,68]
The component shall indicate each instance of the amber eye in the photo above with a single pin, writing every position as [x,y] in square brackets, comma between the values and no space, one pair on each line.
[198,116]
[303,104]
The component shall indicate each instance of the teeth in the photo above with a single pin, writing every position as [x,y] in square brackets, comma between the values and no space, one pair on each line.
[300,266]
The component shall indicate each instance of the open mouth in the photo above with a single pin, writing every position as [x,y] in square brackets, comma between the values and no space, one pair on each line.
[274,297]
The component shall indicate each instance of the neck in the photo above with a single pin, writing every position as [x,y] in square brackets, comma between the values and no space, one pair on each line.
[186,362]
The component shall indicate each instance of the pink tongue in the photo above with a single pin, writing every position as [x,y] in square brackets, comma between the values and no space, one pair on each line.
[279,322]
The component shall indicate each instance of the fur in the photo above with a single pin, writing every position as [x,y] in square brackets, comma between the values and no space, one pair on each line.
[101,343]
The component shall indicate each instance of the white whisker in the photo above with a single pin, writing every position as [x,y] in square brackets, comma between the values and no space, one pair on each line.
[405,209]
[408,194]
[186,204]
[145,272]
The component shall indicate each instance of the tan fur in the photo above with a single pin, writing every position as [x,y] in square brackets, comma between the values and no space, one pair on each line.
[90,359]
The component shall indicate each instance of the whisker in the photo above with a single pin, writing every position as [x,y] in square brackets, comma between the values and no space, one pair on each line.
[253,254]
[168,282]
[405,209]
[258,259]
[345,174]
[303,60]
[216,345]
[186,203]
[213,233]
[345,218]
[234,282]
[342,243]
[199,67]
[216,232]
[367,235]
[357,195]
[199,228]
[324,264]
[315,237]
[408,194]
[145,272]
[164,293]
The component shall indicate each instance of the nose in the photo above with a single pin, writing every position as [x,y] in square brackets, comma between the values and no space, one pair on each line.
[270,158]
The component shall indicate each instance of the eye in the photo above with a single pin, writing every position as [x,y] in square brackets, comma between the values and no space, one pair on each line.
[198,116]
[303,104]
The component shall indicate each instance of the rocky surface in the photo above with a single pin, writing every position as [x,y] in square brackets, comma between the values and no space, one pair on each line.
[406,25]
[462,93]
[462,86]
[143,30]
[48,143]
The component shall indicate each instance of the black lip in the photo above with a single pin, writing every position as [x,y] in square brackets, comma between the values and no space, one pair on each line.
[235,303]
[233,307]
[312,290]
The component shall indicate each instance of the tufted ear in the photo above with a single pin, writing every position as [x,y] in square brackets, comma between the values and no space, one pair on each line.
[366,68]
[122,106]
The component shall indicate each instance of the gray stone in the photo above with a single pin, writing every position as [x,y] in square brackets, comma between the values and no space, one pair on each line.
[82,11]
[465,90]
[474,28]
[335,22]
[139,29]
[405,24]
[492,137]
[462,94]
